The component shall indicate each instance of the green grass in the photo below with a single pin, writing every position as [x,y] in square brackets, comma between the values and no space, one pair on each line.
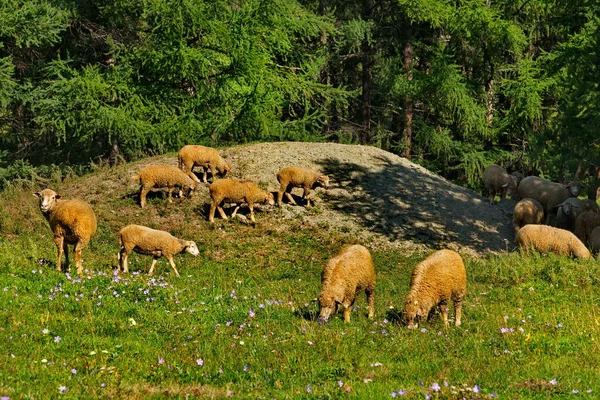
[243,309]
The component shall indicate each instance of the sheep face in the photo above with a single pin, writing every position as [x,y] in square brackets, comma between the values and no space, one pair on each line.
[270,200]
[413,312]
[328,306]
[323,182]
[224,169]
[190,247]
[48,199]
[574,188]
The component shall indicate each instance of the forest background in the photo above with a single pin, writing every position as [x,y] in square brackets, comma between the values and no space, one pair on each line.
[451,85]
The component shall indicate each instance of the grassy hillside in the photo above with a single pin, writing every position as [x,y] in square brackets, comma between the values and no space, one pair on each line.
[240,321]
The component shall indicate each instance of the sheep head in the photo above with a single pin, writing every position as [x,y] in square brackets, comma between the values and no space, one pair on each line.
[323,181]
[190,247]
[413,311]
[574,188]
[48,199]
[328,306]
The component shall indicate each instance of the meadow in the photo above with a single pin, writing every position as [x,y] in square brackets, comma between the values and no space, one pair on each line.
[241,322]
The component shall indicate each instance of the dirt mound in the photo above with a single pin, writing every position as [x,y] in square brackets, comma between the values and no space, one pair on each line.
[381,197]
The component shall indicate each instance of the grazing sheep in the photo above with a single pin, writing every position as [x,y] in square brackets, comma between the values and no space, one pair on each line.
[71,221]
[191,156]
[234,191]
[567,212]
[591,205]
[439,278]
[594,240]
[527,211]
[546,239]
[497,181]
[585,224]
[292,177]
[549,194]
[344,276]
[161,176]
[144,240]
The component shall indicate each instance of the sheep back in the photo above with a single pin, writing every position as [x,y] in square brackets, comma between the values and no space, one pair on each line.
[527,211]
[191,156]
[161,176]
[439,278]
[343,277]
[548,239]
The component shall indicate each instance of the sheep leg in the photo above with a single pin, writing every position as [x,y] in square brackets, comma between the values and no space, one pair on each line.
[60,244]
[305,195]
[213,171]
[289,196]
[123,260]
[171,194]
[153,265]
[280,196]
[79,246]
[221,212]
[457,312]
[204,171]
[444,311]
[347,310]
[170,258]
[371,300]
[211,213]
[143,192]
[235,210]
[251,207]
[189,170]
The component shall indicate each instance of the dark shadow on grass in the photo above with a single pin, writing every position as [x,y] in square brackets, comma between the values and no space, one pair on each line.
[404,202]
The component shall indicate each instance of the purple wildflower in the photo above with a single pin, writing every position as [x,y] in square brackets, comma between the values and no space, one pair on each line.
[435,387]
[476,389]
[308,389]
[62,389]
[246,368]
[73,371]
[340,383]
[200,362]
[56,339]
[161,361]
[251,314]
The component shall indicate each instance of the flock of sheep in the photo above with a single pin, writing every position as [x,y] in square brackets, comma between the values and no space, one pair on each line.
[548,216]
[435,281]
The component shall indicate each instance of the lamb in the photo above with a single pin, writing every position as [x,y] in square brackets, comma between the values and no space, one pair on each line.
[292,177]
[144,240]
[567,213]
[160,176]
[585,224]
[594,240]
[234,191]
[527,211]
[344,276]
[191,156]
[71,221]
[497,181]
[549,194]
[439,278]
[546,239]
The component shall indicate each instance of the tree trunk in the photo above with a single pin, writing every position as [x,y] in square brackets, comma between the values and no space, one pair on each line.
[407,57]
[367,79]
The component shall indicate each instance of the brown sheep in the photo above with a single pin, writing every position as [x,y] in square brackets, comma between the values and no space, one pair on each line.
[439,278]
[497,181]
[71,221]
[292,177]
[527,211]
[144,240]
[191,156]
[344,276]
[548,239]
[594,240]
[234,191]
[549,194]
[163,176]
[591,205]
[585,224]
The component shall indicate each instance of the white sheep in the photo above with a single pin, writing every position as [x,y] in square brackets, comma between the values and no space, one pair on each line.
[527,211]
[585,224]
[435,281]
[71,221]
[163,176]
[343,277]
[548,239]
[549,194]
[191,156]
[234,191]
[497,181]
[144,240]
[292,177]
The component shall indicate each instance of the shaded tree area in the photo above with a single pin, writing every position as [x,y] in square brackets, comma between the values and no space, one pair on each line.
[452,85]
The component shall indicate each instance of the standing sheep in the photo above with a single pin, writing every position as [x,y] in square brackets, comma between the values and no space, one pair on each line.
[191,156]
[292,177]
[162,176]
[585,224]
[344,276]
[527,211]
[439,278]
[548,239]
[144,240]
[567,213]
[497,181]
[71,221]
[234,191]
[549,194]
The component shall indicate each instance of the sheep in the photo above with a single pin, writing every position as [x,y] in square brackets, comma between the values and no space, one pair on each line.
[160,176]
[591,205]
[234,191]
[497,181]
[567,213]
[292,177]
[549,194]
[546,239]
[527,211]
[518,177]
[343,277]
[585,224]
[439,278]
[594,240]
[144,240]
[71,221]
[191,156]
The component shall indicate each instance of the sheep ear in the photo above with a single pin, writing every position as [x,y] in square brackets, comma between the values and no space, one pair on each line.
[58,196]
[37,194]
